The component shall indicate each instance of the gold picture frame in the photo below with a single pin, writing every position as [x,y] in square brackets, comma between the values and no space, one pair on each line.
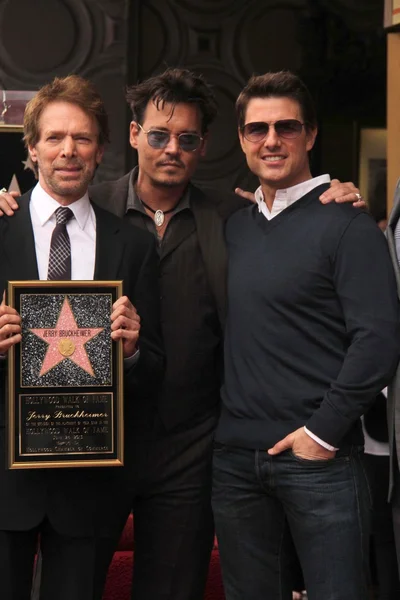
[5,128]
[68,411]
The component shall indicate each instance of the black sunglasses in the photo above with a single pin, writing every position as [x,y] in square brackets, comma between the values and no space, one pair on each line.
[189,142]
[286,128]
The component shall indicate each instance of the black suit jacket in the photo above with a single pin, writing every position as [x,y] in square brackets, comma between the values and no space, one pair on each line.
[375,420]
[81,501]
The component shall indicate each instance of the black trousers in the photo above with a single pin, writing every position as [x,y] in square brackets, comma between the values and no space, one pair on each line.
[396,514]
[383,541]
[68,569]
[170,493]
[173,522]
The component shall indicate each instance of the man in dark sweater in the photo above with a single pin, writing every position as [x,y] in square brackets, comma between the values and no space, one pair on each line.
[312,337]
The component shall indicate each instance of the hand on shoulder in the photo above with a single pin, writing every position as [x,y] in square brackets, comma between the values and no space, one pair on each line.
[8,203]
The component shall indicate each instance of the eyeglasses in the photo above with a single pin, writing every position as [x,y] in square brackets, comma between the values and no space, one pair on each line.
[189,142]
[286,128]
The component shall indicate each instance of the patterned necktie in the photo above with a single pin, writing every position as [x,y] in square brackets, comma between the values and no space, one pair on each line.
[60,247]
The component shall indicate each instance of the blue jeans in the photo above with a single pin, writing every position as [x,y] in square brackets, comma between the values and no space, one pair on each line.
[325,505]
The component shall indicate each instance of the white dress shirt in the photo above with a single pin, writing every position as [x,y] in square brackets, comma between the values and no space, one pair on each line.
[283,199]
[286,197]
[81,229]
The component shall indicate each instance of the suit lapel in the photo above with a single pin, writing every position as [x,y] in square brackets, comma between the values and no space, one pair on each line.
[109,246]
[393,254]
[111,196]
[118,199]
[393,220]
[19,243]
[210,233]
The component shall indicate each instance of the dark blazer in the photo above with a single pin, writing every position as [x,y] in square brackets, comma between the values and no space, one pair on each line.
[211,209]
[73,499]
[393,406]
[375,420]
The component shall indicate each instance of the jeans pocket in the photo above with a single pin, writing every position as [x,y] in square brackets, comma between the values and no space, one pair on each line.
[318,461]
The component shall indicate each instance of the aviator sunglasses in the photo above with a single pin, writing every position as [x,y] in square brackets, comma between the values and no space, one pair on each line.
[189,142]
[285,128]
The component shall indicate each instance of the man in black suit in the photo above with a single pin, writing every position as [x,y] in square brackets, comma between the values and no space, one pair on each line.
[173,524]
[73,510]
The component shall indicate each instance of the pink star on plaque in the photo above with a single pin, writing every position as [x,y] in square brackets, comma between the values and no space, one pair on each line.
[66,340]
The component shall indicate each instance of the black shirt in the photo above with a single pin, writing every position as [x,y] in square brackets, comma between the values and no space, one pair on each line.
[191,331]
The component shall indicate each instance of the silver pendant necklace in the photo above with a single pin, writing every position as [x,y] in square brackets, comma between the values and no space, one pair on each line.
[159,218]
[159,215]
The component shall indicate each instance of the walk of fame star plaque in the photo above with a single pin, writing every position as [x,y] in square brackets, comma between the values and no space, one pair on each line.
[65,384]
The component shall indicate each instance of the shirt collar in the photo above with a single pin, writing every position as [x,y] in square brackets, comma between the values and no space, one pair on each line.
[288,196]
[45,206]
[134,203]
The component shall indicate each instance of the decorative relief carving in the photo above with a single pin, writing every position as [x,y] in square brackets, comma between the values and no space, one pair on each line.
[223,156]
[163,38]
[226,40]
[110,82]
[211,8]
[334,44]
[57,37]
[258,43]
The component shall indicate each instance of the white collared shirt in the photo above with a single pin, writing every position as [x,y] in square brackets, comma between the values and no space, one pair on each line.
[81,230]
[285,197]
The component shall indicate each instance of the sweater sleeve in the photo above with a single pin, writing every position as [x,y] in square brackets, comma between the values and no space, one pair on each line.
[365,284]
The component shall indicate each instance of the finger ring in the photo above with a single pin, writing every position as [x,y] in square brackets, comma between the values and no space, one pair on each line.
[3,190]
[358,196]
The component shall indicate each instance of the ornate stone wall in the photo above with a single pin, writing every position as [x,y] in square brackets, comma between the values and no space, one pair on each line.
[43,38]
[337,46]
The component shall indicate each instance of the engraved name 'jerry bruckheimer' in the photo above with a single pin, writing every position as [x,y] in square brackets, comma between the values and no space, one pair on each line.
[59,414]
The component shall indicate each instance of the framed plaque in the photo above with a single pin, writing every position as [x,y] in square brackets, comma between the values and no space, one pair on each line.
[65,378]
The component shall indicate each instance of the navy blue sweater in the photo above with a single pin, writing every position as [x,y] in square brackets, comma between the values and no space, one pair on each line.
[313,323]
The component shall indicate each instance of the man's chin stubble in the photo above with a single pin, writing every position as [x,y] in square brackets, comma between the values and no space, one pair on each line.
[169,183]
[66,190]
[63,189]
